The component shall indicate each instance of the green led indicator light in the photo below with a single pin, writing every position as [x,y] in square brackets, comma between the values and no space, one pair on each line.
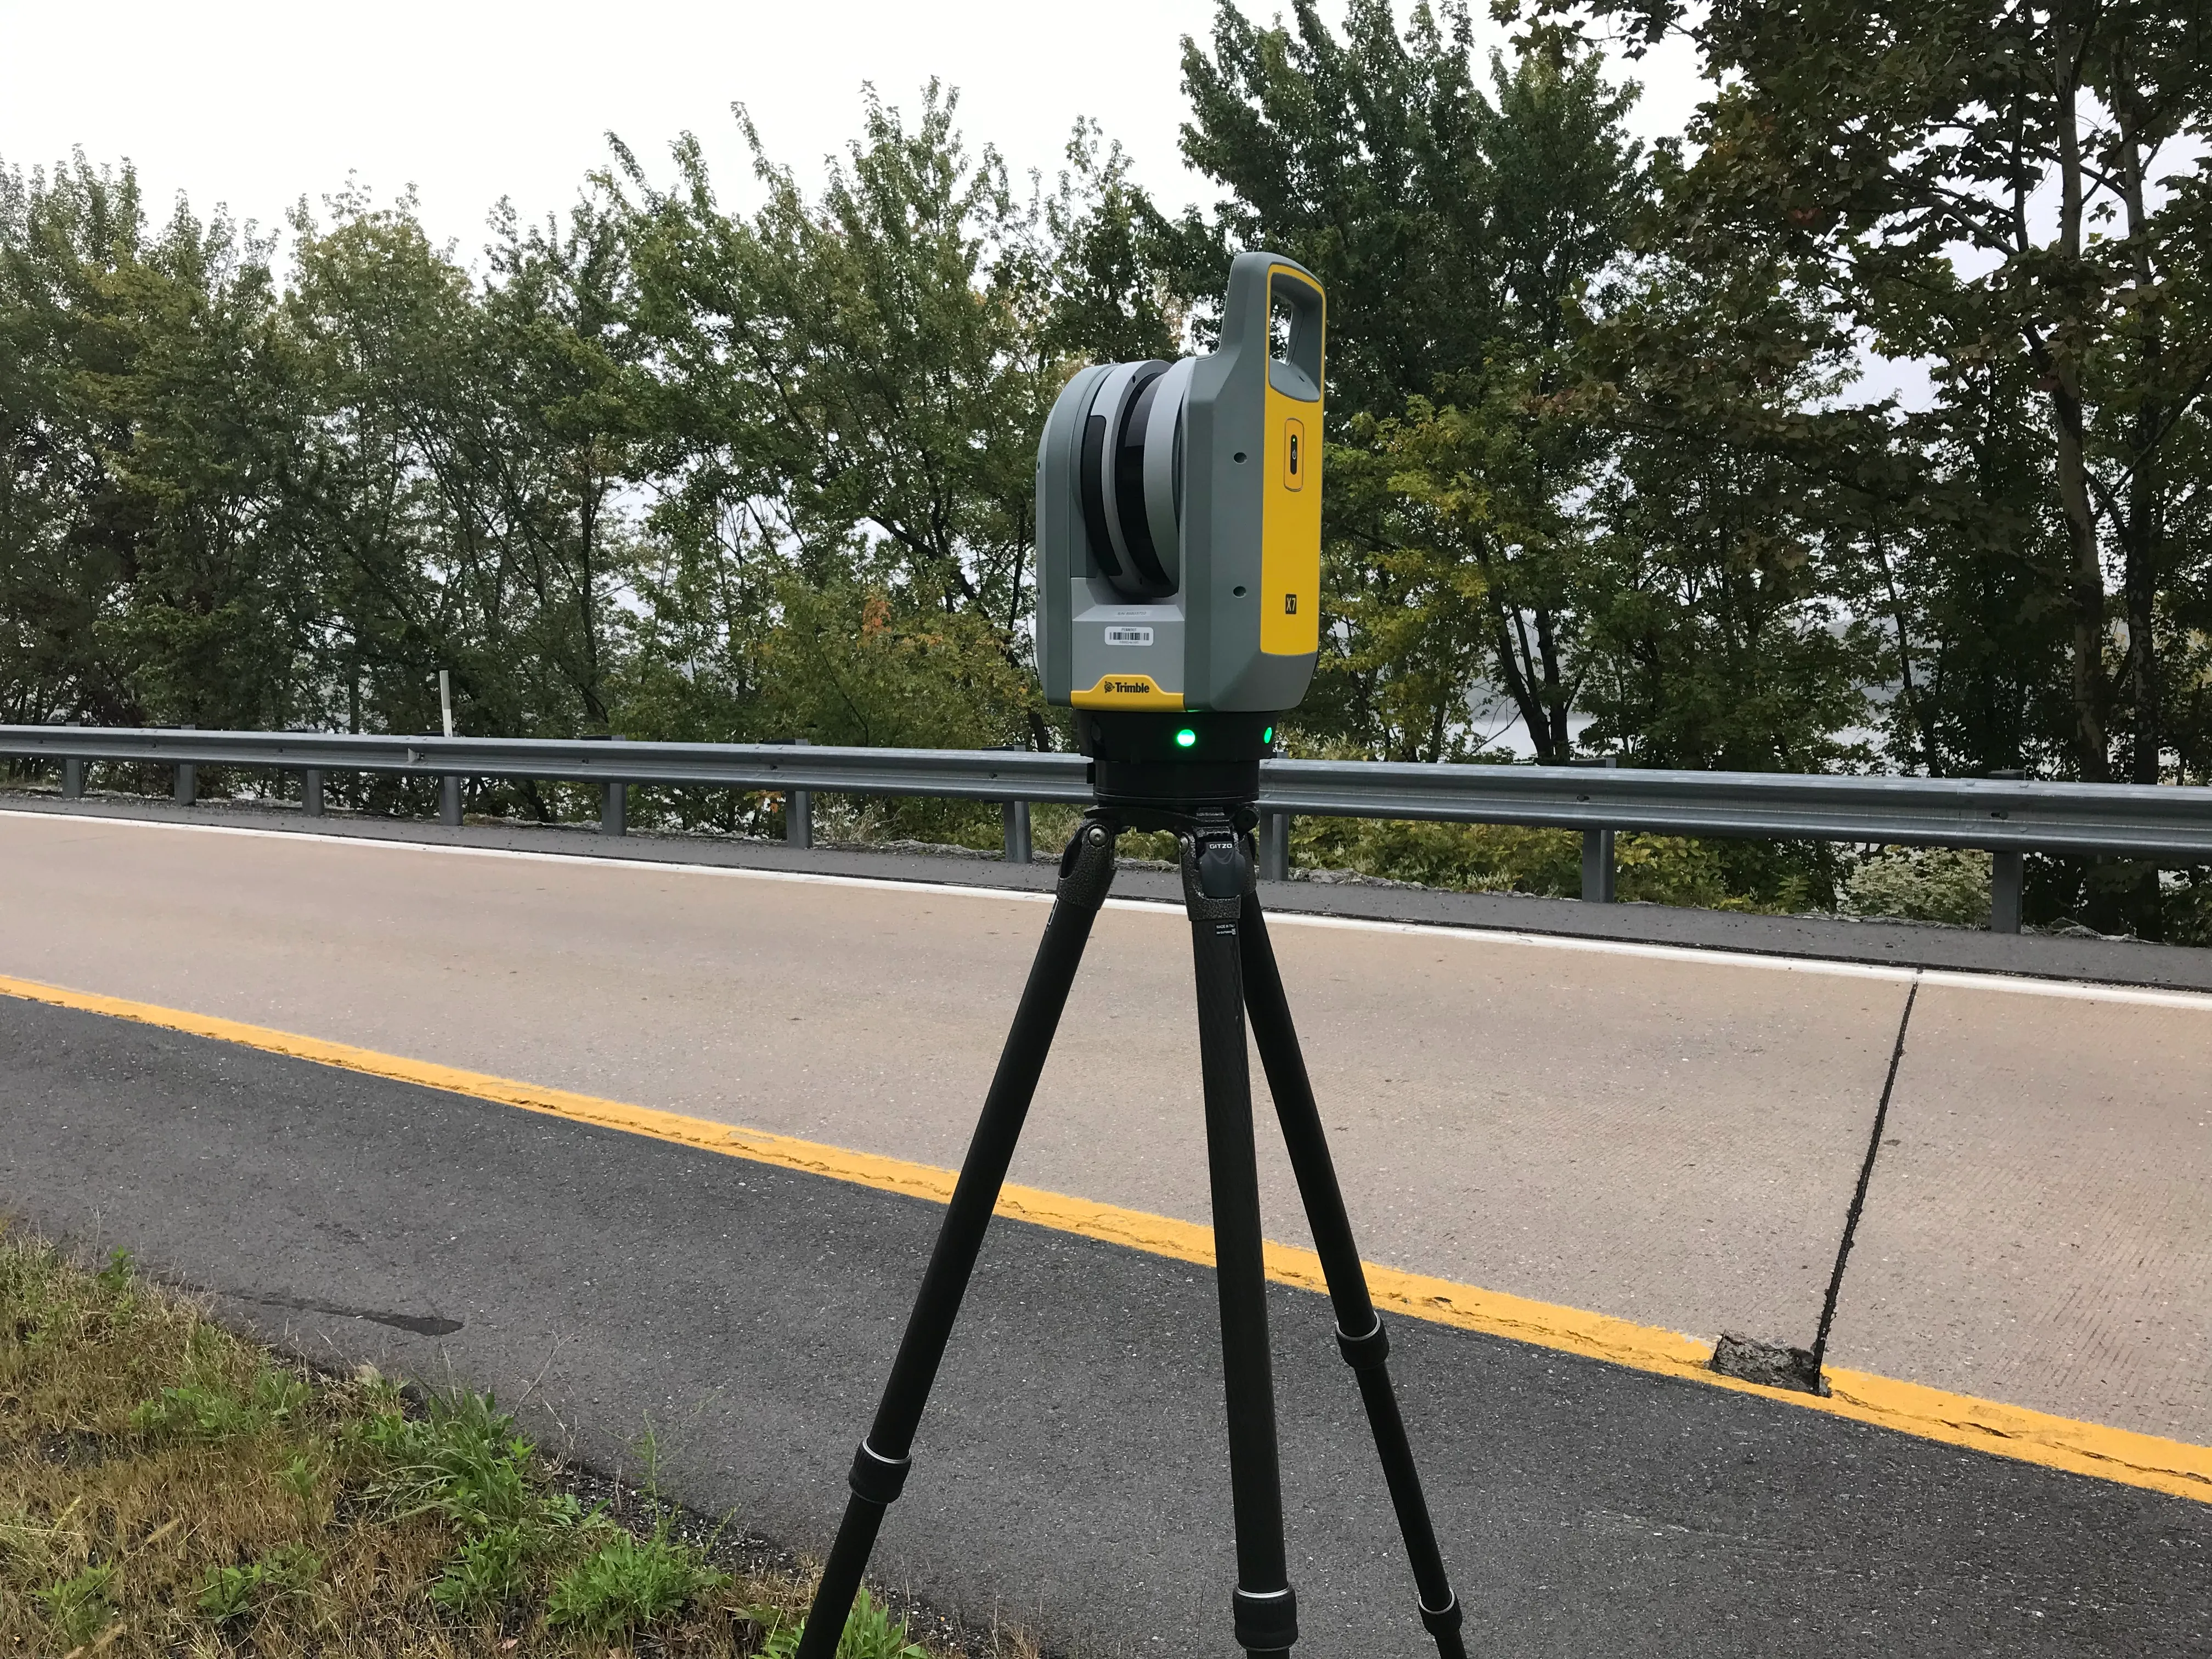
[1267,734]
[1185,737]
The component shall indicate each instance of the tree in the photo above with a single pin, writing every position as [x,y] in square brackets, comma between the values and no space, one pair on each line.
[1734,512]
[1460,237]
[1910,152]
[870,351]
[60,238]
[153,566]
[853,386]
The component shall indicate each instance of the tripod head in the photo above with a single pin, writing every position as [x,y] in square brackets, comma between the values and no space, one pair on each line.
[1158,770]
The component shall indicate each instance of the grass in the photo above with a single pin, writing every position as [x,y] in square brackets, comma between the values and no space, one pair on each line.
[167,1487]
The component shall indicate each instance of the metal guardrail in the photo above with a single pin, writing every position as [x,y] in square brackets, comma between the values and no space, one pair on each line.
[2003,815]
[956,773]
[2008,817]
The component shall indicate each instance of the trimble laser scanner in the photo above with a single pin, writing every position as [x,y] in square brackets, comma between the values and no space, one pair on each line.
[1179,546]
[1178,576]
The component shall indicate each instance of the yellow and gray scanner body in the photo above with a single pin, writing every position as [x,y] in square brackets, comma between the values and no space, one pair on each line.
[1179,516]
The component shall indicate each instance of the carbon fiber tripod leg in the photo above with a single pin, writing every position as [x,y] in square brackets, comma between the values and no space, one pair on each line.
[1217,870]
[1359,1327]
[880,1467]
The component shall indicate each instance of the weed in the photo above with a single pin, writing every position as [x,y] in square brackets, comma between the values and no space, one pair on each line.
[303,1477]
[81,1605]
[649,1452]
[287,1573]
[1922,884]
[869,1633]
[630,1582]
[491,1570]
[211,1408]
[463,1461]
[114,1280]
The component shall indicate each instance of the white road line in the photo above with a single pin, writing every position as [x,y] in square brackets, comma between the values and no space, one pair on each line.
[2010,984]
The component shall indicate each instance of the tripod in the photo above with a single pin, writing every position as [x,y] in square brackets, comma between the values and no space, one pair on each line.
[1235,971]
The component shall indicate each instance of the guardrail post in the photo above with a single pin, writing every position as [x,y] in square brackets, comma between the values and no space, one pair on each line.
[798,810]
[449,799]
[311,792]
[1274,845]
[1017,831]
[614,793]
[72,779]
[1600,870]
[186,788]
[2008,879]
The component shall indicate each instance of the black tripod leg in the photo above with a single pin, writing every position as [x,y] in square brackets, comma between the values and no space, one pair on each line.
[1217,869]
[1359,1327]
[880,1467]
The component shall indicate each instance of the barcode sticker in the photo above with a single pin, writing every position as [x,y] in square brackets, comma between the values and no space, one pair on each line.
[1128,636]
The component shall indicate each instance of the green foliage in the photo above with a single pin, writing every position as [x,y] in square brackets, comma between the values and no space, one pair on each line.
[2188,907]
[1461,236]
[870,1632]
[83,1605]
[629,1583]
[2017,199]
[494,1566]
[1499,858]
[230,1513]
[849,665]
[463,1461]
[1473,857]
[587,481]
[302,1477]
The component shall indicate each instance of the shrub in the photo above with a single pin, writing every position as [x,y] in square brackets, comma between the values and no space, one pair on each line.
[1922,884]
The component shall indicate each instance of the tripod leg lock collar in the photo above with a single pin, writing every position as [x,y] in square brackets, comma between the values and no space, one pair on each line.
[1443,1621]
[1364,1353]
[1266,1620]
[876,1478]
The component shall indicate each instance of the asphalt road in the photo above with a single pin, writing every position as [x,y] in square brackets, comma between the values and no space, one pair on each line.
[1670,1136]
[1069,1474]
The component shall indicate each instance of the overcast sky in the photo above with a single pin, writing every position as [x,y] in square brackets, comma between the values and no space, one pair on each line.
[254,104]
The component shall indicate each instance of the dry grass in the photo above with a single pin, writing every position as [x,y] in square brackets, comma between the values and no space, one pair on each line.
[169,1488]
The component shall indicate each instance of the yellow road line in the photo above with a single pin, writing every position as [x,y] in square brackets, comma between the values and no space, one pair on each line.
[2061,1443]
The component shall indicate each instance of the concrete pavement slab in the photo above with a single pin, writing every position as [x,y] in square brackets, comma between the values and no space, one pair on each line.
[1866,940]
[1669,1137]
[2042,1224]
